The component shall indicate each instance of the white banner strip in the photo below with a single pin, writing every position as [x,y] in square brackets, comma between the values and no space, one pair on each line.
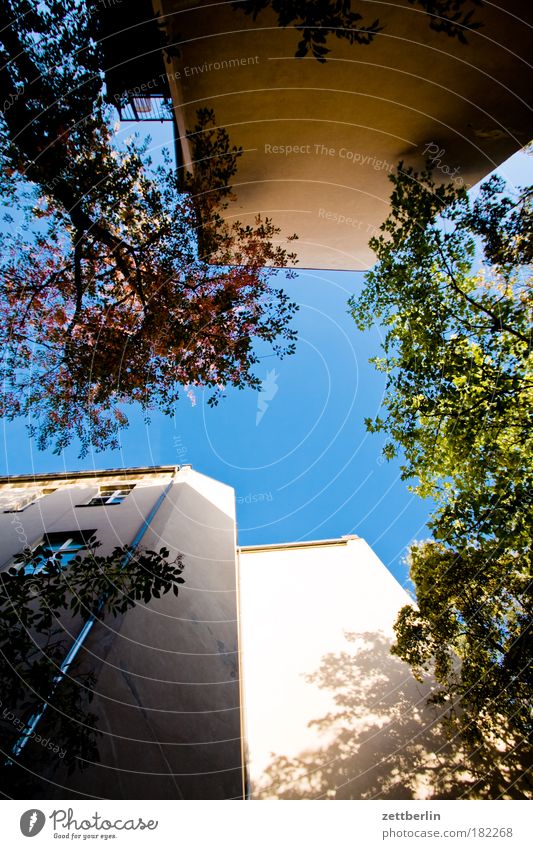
[258,825]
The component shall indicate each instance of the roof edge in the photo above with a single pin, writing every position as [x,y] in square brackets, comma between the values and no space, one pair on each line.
[344,540]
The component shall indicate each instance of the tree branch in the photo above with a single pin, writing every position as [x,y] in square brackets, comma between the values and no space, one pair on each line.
[497,323]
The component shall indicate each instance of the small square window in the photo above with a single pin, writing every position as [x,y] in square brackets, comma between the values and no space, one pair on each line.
[108,495]
[18,503]
[57,548]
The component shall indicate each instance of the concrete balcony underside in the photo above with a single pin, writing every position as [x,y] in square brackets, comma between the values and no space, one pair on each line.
[320,140]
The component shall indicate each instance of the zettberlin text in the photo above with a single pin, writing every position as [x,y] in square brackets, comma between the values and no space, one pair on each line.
[407,815]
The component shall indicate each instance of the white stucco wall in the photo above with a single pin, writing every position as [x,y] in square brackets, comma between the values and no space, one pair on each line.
[166,674]
[65,508]
[167,688]
[329,712]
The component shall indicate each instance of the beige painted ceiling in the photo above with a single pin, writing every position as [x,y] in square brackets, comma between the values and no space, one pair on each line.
[320,140]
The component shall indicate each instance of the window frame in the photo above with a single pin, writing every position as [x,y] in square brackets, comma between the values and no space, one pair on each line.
[65,542]
[110,495]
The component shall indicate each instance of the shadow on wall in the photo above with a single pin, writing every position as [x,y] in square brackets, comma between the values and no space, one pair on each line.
[384,741]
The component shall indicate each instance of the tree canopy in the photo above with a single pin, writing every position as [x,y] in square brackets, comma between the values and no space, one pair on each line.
[452,289]
[106,297]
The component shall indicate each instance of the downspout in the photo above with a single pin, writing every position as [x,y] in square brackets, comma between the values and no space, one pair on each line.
[246,784]
[82,636]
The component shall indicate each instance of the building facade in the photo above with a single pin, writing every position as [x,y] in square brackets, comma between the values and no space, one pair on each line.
[167,689]
[329,712]
[269,676]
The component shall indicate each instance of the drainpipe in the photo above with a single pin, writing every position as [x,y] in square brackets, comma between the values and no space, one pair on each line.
[82,636]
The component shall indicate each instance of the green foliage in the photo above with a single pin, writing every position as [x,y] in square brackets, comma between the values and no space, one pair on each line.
[471,630]
[457,351]
[317,20]
[38,613]
[452,288]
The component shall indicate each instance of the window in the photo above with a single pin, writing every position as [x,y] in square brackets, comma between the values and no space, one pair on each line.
[58,548]
[114,494]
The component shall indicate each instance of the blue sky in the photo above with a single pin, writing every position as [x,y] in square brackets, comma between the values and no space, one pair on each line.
[305,467]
